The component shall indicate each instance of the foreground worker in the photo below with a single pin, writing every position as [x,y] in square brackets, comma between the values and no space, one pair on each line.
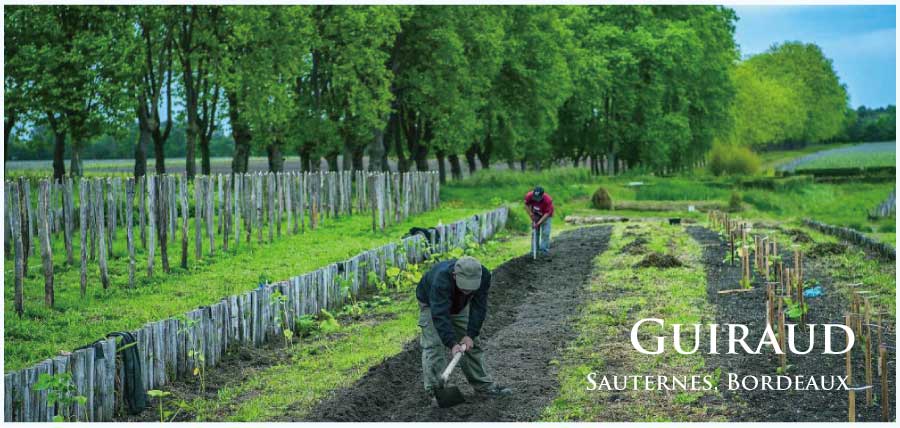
[539,206]
[452,299]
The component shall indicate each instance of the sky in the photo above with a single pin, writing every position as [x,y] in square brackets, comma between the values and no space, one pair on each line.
[860,40]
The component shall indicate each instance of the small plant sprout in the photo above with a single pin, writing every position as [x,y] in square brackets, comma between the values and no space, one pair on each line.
[199,360]
[160,395]
[60,389]
[278,303]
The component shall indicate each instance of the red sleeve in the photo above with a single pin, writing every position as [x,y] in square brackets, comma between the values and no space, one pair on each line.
[528,200]
[549,204]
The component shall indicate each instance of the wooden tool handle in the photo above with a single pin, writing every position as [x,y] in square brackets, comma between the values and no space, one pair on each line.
[446,374]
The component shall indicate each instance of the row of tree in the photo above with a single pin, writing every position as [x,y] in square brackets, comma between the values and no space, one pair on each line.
[788,94]
[650,85]
[867,124]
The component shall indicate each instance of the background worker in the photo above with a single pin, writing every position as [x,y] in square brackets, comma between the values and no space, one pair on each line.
[539,206]
[452,299]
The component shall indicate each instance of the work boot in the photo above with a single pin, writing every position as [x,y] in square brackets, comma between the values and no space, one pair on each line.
[493,390]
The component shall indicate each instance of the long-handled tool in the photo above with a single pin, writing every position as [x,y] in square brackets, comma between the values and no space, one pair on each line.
[449,396]
[535,241]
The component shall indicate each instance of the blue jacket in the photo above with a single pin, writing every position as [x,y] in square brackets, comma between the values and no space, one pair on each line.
[437,290]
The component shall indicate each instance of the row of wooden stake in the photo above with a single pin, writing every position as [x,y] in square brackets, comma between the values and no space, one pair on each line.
[227,205]
[789,284]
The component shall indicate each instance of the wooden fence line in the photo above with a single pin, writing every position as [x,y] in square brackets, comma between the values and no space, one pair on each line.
[883,250]
[261,201]
[170,349]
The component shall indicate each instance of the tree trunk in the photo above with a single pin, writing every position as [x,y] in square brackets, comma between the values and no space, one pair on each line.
[59,153]
[484,155]
[204,156]
[347,157]
[332,160]
[190,165]
[377,152]
[9,120]
[357,163]
[455,167]
[470,158]
[442,167]
[522,164]
[75,163]
[140,150]
[276,160]
[305,159]
[159,151]
[241,134]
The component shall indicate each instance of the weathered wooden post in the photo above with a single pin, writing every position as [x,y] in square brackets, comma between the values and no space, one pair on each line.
[99,217]
[142,197]
[84,203]
[198,210]
[151,214]
[162,207]
[851,402]
[68,224]
[17,232]
[885,394]
[210,206]
[225,210]
[129,224]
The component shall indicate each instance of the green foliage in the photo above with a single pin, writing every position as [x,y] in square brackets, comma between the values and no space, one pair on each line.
[732,160]
[60,390]
[795,309]
[734,202]
[601,199]
[788,93]
[160,395]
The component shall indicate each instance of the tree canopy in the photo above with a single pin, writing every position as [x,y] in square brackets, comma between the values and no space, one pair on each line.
[642,86]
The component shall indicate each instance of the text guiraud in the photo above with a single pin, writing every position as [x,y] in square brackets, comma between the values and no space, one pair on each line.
[738,337]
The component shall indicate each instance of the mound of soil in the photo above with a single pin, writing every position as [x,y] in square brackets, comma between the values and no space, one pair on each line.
[798,236]
[749,309]
[659,260]
[637,246]
[529,315]
[828,249]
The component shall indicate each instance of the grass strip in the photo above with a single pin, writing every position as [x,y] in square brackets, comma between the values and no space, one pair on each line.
[619,295]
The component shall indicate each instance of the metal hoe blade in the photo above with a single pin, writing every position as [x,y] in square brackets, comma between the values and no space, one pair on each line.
[448,396]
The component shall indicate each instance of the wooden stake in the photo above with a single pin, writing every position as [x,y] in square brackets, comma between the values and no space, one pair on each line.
[151,214]
[84,203]
[185,215]
[198,209]
[99,217]
[129,225]
[885,396]
[17,232]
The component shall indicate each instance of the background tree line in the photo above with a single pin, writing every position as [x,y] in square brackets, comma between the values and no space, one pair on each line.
[650,86]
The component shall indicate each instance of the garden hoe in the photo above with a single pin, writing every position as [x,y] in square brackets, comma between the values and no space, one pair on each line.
[449,396]
[535,241]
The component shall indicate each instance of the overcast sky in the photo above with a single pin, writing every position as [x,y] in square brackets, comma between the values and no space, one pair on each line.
[861,40]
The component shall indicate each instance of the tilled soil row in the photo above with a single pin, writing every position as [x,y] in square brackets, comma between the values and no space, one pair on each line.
[529,310]
[748,308]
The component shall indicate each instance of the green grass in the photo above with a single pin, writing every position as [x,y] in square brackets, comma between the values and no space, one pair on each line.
[617,296]
[76,321]
[840,204]
[328,362]
[773,158]
[853,160]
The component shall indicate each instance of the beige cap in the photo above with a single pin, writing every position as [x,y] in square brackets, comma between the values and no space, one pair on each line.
[468,273]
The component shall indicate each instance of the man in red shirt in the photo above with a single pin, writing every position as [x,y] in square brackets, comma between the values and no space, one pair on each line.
[539,206]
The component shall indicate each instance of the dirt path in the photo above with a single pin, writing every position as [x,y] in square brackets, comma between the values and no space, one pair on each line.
[530,306]
[749,309]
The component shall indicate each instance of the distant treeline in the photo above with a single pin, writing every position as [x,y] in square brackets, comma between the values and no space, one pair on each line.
[867,124]
[637,86]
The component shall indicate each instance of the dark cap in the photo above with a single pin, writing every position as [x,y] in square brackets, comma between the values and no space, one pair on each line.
[468,273]
[538,193]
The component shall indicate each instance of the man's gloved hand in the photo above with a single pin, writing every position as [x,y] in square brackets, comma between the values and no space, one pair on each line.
[459,347]
[468,342]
